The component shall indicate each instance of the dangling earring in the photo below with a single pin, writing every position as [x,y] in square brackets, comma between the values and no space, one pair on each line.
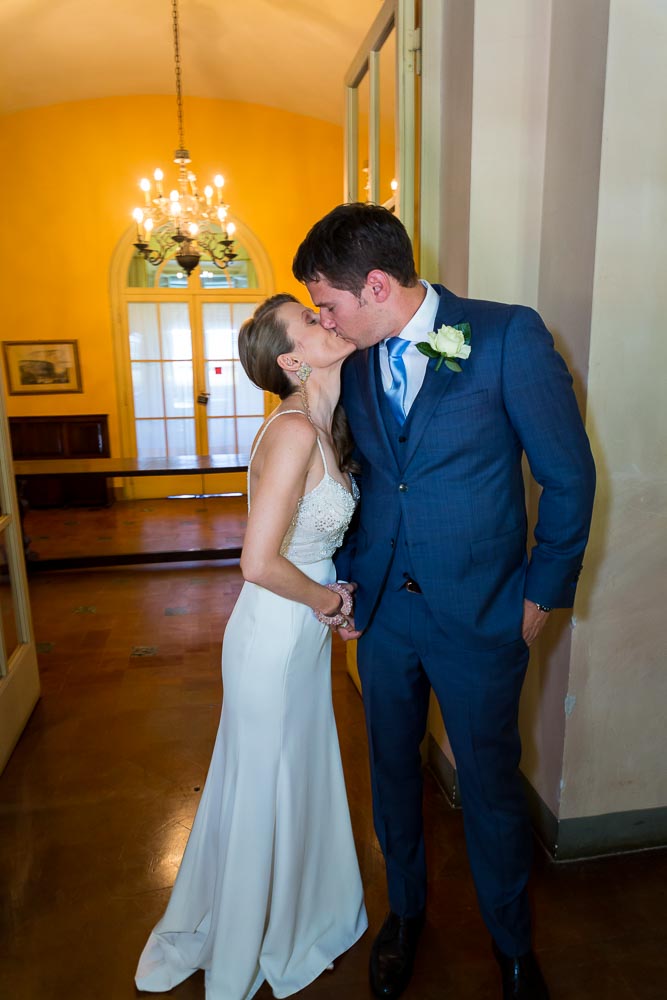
[303,374]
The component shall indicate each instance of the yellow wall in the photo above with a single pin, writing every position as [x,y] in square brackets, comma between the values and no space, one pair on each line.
[75,173]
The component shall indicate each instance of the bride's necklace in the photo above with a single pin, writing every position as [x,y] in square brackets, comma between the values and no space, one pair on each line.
[325,432]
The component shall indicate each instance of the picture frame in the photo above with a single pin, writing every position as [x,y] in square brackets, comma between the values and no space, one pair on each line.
[42,367]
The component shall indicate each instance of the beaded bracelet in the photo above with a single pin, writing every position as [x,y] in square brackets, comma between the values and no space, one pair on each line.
[340,618]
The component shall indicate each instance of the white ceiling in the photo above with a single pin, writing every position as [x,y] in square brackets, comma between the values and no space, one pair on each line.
[290,54]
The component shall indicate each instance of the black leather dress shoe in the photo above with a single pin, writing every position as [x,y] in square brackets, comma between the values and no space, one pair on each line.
[393,955]
[522,979]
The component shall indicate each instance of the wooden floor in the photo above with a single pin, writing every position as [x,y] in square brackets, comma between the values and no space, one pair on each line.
[98,797]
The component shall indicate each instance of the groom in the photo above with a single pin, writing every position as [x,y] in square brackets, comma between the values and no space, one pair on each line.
[447,596]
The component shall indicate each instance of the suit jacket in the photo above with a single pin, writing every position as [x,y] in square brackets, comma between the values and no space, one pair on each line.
[454,493]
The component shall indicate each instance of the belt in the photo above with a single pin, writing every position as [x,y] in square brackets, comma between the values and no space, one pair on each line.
[412,586]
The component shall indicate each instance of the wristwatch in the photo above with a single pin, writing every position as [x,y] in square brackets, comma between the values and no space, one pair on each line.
[543,608]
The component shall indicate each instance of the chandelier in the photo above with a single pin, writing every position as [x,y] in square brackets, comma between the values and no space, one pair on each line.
[185,224]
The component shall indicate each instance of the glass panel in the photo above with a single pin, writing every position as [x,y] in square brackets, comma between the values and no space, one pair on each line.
[217,330]
[144,335]
[239,273]
[363,136]
[147,385]
[211,277]
[242,311]
[8,611]
[178,389]
[150,438]
[221,436]
[249,399]
[175,323]
[251,274]
[140,274]
[220,384]
[387,117]
[172,275]
[181,437]
[247,428]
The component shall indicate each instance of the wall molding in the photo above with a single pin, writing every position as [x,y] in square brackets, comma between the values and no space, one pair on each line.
[584,837]
[573,839]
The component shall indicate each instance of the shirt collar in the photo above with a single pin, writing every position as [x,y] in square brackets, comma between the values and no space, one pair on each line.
[423,320]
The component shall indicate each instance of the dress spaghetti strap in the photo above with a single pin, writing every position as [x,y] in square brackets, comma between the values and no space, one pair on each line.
[261,435]
[324,461]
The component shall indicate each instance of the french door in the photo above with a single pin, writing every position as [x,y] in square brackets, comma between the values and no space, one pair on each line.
[19,677]
[190,393]
[182,387]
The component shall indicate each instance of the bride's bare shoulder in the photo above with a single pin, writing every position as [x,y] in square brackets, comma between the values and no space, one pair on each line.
[287,431]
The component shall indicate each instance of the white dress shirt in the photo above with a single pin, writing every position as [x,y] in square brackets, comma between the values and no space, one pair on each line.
[415,331]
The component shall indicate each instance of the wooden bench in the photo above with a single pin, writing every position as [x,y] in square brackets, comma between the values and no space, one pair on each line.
[106,468]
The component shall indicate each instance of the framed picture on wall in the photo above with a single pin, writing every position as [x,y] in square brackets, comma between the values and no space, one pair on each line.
[42,367]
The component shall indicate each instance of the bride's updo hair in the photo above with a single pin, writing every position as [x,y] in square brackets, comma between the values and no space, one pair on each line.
[262,339]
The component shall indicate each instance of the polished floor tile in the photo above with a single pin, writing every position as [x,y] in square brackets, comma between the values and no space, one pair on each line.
[99,795]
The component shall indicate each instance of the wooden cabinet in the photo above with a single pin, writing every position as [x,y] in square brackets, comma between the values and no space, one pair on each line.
[82,436]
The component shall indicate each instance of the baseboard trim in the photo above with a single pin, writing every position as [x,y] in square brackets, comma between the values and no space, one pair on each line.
[443,771]
[570,839]
[545,824]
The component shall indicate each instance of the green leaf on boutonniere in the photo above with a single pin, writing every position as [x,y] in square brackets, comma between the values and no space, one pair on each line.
[446,344]
[465,330]
[428,350]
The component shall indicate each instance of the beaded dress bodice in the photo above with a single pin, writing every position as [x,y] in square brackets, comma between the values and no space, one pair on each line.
[322,515]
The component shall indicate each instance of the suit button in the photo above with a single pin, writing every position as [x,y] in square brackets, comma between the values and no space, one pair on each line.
[402,439]
[392,543]
[403,488]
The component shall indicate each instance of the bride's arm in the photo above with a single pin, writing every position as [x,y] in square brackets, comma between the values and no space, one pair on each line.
[286,454]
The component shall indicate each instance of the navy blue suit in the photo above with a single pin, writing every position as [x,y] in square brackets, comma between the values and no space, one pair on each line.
[442,501]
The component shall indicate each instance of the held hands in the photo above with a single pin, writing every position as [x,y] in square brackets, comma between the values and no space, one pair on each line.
[339,616]
[534,621]
[350,632]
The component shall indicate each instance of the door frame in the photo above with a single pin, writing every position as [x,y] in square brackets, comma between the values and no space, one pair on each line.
[19,675]
[401,16]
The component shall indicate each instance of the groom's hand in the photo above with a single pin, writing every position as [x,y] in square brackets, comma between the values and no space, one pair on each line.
[349,633]
[534,621]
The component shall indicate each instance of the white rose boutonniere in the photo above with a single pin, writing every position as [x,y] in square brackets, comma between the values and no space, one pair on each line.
[447,344]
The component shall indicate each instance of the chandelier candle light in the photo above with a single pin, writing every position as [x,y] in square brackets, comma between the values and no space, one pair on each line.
[187,222]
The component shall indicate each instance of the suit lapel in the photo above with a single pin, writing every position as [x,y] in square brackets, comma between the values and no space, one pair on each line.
[435,383]
[365,371]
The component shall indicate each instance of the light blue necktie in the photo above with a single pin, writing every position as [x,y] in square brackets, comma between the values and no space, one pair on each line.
[396,348]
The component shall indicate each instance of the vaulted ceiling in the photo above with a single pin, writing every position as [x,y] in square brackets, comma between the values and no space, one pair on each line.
[289,54]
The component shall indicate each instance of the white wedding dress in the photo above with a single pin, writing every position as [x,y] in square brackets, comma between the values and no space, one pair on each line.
[269,885]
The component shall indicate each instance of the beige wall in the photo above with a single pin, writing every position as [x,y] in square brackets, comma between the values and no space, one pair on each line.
[511,61]
[616,738]
[566,191]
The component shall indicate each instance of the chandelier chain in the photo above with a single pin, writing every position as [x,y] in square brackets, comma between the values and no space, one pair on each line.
[188,223]
[177,68]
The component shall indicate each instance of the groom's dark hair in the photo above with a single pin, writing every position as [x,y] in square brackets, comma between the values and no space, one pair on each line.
[352,240]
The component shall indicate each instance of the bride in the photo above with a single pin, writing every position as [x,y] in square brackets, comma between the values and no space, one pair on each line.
[269,885]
